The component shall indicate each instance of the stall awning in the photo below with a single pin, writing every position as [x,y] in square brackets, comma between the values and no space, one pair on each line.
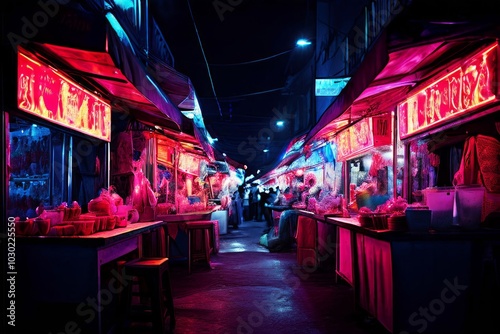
[374,62]
[128,81]
[123,95]
[383,80]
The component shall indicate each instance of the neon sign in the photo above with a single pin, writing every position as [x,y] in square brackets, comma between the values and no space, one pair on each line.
[364,135]
[461,90]
[44,92]
[355,139]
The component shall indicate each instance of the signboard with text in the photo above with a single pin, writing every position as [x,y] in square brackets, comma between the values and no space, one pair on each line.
[382,130]
[330,87]
[368,133]
[355,139]
[44,92]
[458,92]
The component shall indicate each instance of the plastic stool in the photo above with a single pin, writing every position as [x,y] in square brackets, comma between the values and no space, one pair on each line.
[155,300]
[203,253]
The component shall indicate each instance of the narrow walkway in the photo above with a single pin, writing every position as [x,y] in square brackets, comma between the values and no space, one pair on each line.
[249,290]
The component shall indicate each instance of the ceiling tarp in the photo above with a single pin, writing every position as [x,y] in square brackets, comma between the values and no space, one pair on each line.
[127,61]
[177,86]
[209,151]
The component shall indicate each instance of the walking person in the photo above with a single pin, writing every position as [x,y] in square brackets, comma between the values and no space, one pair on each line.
[254,201]
[237,207]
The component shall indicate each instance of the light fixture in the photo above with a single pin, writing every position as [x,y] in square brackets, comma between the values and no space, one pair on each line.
[265,150]
[280,123]
[303,42]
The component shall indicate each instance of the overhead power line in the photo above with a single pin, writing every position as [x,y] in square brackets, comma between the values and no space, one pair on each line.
[204,57]
[255,60]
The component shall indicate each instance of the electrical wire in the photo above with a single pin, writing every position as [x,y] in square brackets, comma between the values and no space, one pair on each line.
[204,57]
[232,97]
[255,60]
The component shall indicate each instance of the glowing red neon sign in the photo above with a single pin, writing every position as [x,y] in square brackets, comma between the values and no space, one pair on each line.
[355,139]
[44,92]
[461,90]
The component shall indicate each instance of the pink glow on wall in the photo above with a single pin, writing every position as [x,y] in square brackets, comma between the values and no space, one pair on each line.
[44,92]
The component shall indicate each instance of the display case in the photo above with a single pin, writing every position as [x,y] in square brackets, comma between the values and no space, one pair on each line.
[373,162]
[369,178]
[49,167]
[29,181]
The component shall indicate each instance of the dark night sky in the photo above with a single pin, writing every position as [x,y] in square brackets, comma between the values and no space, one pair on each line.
[249,47]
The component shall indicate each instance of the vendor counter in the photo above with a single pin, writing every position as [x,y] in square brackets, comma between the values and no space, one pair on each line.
[71,283]
[422,281]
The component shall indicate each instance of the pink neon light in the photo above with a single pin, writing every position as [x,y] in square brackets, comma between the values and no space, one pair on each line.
[44,92]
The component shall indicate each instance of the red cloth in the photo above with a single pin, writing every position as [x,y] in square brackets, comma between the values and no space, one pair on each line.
[375,278]
[468,172]
[345,254]
[306,241]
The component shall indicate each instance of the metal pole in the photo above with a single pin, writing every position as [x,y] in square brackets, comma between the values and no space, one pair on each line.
[395,153]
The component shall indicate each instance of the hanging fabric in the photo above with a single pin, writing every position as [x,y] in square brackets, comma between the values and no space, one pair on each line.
[468,172]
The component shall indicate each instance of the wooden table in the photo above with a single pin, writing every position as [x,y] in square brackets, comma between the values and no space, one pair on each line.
[61,284]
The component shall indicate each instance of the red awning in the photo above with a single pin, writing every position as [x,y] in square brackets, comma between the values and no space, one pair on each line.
[127,80]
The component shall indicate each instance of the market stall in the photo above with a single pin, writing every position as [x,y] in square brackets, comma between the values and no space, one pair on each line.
[449,131]
[451,135]
[58,144]
[188,182]
[71,227]
[311,188]
[396,275]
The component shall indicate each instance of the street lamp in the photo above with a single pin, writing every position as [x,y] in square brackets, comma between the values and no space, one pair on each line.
[303,42]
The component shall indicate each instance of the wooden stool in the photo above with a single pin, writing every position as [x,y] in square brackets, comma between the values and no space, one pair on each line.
[203,228]
[153,288]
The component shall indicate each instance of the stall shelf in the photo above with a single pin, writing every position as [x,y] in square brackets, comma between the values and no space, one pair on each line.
[397,274]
